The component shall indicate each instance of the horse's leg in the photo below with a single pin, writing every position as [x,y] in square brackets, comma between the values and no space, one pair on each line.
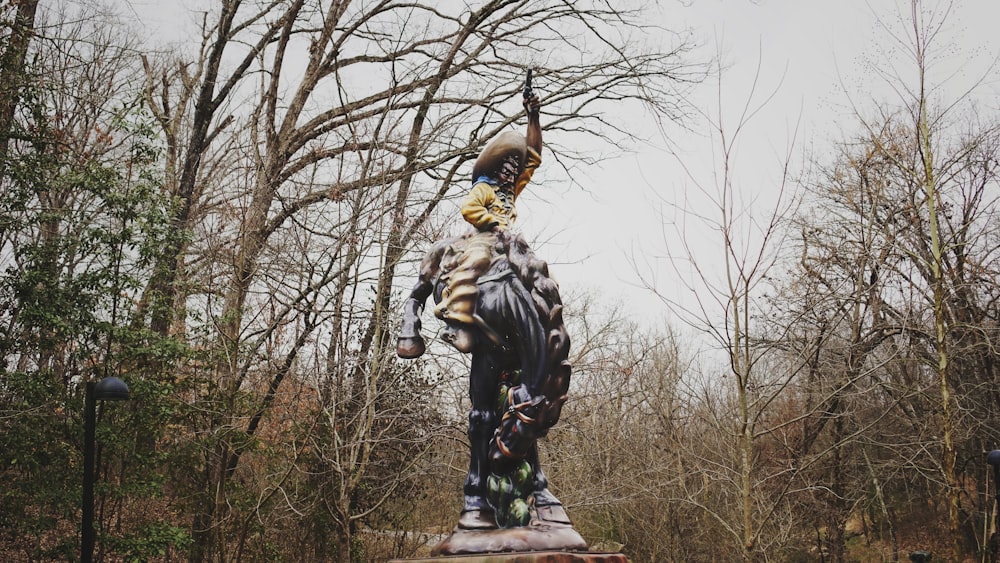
[410,344]
[547,506]
[541,483]
[483,376]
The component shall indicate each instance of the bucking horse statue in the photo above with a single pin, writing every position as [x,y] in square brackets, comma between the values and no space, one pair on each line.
[499,303]
[519,376]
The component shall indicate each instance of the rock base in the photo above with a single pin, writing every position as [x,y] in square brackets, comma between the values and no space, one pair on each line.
[549,530]
[527,557]
[534,537]
[548,538]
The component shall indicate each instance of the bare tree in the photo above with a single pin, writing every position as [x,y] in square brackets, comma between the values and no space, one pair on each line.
[731,310]
[942,174]
[846,314]
[893,232]
[18,28]
[614,455]
[308,148]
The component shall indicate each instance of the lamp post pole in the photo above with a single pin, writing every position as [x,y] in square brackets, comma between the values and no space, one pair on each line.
[109,388]
[89,424]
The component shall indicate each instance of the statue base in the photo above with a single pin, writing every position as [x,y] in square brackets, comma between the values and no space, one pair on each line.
[549,538]
[525,557]
[534,537]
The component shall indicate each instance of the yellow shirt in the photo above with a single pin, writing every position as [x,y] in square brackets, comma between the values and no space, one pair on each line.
[487,205]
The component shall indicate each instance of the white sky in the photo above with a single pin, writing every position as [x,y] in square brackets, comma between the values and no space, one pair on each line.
[814,56]
[810,54]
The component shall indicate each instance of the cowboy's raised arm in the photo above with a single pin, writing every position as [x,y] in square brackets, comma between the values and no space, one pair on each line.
[534,133]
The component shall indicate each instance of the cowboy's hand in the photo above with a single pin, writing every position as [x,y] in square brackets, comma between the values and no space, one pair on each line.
[532,104]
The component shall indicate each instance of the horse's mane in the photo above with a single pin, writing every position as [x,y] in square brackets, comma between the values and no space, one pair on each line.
[534,275]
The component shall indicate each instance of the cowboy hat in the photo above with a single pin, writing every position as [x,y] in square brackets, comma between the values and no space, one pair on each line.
[505,145]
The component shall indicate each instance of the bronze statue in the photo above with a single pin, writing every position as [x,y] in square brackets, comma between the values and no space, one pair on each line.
[499,303]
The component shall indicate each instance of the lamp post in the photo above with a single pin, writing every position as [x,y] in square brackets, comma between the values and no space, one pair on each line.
[107,389]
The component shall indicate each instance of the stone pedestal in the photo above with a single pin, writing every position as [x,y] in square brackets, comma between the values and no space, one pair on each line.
[537,536]
[526,557]
[550,529]
[549,538]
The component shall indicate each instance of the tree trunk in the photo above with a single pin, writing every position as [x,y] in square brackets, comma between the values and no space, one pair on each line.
[12,70]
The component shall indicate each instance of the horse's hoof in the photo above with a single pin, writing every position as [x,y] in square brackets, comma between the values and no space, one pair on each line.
[544,497]
[477,520]
[410,347]
[553,513]
[476,502]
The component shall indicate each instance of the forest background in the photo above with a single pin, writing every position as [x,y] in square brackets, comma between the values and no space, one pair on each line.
[229,225]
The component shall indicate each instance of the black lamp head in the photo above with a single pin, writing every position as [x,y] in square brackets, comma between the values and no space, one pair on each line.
[111,389]
[993,458]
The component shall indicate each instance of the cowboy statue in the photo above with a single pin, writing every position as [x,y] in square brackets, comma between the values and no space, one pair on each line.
[499,303]
[500,174]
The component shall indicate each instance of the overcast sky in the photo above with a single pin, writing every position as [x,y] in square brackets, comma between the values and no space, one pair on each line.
[807,59]
[816,58]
